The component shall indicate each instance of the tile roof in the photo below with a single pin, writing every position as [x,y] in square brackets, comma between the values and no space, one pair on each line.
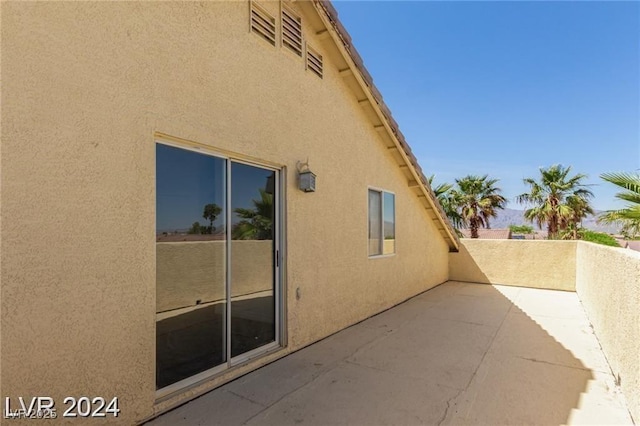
[633,245]
[622,242]
[489,234]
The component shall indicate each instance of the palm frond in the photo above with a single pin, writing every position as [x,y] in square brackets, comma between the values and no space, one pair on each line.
[624,180]
[629,196]
[628,217]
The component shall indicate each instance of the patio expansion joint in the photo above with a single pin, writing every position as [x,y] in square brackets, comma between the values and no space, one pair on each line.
[395,373]
[245,398]
[475,372]
[382,370]
[463,322]
[330,367]
[266,407]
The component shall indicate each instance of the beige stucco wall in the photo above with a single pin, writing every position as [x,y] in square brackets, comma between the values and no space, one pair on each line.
[608,284]
[84,87]
[538,264]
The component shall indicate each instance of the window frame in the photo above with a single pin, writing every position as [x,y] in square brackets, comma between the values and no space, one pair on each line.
[382,192]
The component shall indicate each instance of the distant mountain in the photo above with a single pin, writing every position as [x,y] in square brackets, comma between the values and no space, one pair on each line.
[590,223]
[508,217]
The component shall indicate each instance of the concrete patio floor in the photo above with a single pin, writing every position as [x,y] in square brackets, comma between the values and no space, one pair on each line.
[457,354]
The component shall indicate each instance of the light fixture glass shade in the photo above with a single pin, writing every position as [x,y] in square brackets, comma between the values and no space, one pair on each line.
[307,181]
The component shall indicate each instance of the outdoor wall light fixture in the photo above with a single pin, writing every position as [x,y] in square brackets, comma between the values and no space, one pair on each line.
[306,178]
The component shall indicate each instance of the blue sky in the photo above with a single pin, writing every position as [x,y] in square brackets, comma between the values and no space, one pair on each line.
[504,88]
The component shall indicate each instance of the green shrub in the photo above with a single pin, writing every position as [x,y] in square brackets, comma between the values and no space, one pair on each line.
[521,229]
[599,238]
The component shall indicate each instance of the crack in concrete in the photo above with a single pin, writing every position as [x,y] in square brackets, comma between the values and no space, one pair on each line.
[446,410]
[315,376]
[475,372]
[534,316]
[556,364]
[332,366]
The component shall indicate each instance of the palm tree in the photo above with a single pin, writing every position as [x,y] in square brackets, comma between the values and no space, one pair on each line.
[257,223]
[579,208]
[549,198]
[211,212]
[446,199]
[477,199]
[629,216]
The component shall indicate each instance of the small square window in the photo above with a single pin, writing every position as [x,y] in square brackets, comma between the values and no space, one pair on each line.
[382,223]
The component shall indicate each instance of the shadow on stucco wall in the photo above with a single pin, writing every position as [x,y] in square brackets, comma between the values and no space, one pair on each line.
[463,267]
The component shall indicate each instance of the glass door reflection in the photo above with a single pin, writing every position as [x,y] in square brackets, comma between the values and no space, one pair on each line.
[191,253]
[253,202]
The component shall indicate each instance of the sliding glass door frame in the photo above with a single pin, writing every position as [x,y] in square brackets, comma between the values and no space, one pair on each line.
[278,269]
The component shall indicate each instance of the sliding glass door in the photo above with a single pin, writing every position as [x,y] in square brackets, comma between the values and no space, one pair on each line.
[253,254]
[216,263]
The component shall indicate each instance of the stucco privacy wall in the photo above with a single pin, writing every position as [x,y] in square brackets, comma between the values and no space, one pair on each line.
[78,173]
[608,284]
[537,264]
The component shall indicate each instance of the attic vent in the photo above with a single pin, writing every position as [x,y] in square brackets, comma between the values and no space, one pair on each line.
[314,61]
[262,23]
[291,31]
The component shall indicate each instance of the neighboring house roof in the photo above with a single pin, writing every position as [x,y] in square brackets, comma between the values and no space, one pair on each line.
[383,120]
[622,242]
[633,245]
[489,234]
[537,235]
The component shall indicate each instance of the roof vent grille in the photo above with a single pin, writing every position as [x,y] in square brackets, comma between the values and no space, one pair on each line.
[262,23]
[314,61]
[292,31]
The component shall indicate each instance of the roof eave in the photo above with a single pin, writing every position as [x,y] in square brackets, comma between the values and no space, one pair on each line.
[341,37]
